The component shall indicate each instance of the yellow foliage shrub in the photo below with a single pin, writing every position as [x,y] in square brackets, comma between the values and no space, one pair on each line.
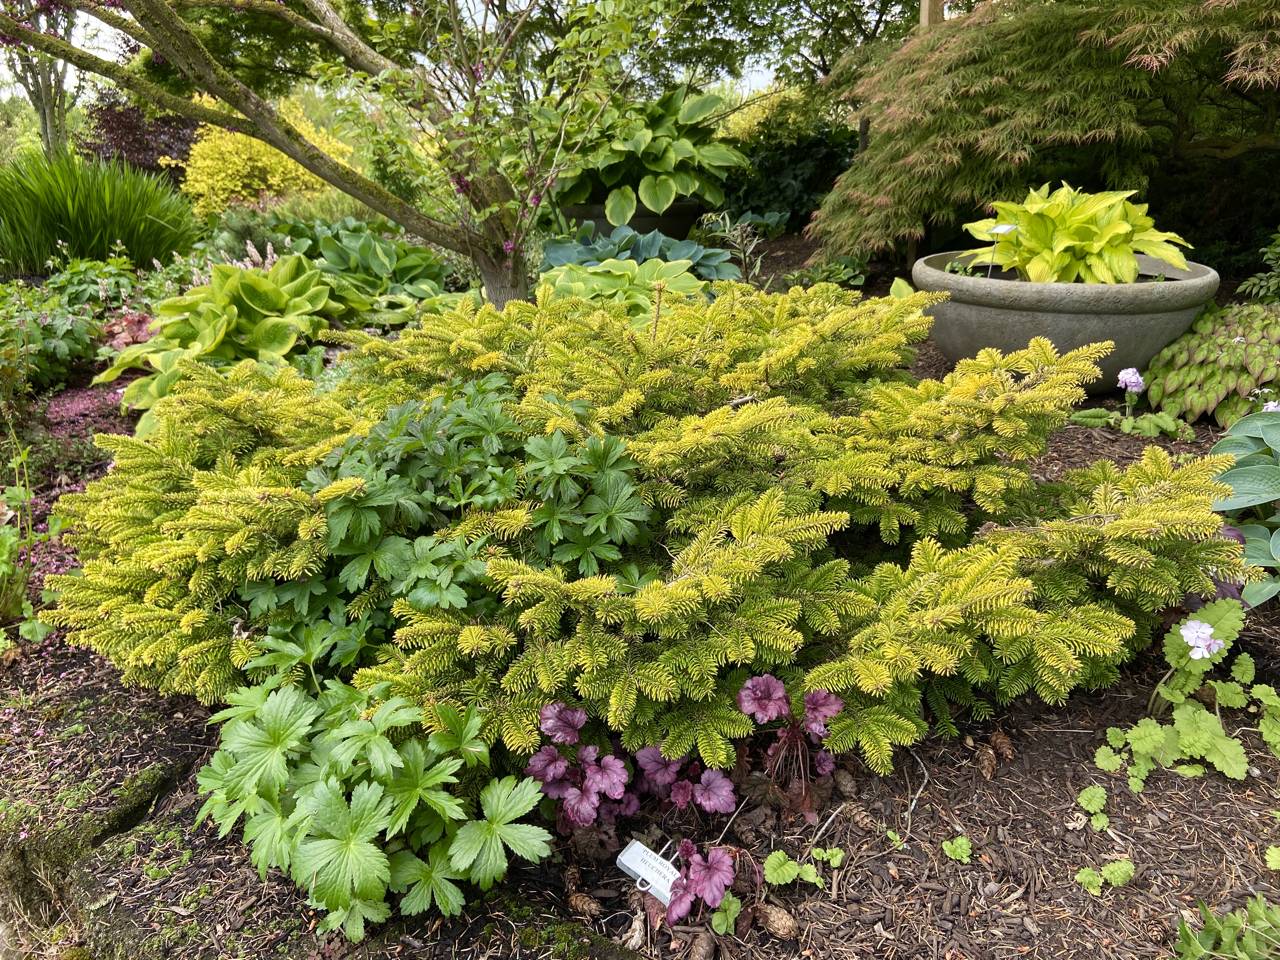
[226,168]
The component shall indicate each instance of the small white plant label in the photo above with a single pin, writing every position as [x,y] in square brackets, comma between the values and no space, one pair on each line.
[652,872]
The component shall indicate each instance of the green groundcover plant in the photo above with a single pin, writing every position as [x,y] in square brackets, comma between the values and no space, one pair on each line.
[502,516]
[1223,365]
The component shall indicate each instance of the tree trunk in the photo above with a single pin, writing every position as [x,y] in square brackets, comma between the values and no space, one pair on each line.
[504,276]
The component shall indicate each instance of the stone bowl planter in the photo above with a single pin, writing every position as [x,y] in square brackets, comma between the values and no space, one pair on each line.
[1140,318]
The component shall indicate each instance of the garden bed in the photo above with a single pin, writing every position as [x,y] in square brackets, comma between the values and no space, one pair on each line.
[100,817]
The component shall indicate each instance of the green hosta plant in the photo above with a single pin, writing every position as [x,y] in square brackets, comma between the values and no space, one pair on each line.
[653,154]
[241,314]
[590,248]
[1194,737]
[1069,235]
[1254,504]
[1219,367]
[376,278]
[633,285]
[1250,933]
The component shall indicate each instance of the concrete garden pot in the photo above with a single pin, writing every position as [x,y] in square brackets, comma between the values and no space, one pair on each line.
[1141,318]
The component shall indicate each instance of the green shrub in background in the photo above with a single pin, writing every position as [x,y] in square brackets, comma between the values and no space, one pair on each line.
[797,140]
[225,168]
[89,209]
[1226,365]
[653,154]
[41,338]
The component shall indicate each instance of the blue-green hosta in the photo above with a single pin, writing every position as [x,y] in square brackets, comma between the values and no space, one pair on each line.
[1254,504]
[355,804]
[1069,235]
[240,314]
[376,278]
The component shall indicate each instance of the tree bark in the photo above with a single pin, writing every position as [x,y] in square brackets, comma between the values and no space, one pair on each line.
[505,277]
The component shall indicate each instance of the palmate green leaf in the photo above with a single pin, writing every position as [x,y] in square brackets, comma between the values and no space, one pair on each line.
[365,740]
[351,918]
[263,745]
[427,882]
[461,735]
[340,861]
[480,846]
[418,782]
[615,510]
[273,837]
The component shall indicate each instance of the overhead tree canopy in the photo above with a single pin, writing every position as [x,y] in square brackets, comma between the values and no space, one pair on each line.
[493,102]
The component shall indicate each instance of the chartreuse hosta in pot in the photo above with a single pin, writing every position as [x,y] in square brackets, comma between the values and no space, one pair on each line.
[1075,267]
[653,154]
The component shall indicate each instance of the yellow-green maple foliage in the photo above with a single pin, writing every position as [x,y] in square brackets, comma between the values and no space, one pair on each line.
[814,513]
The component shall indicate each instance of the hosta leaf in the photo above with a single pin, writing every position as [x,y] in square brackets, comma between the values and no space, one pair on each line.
[620,206]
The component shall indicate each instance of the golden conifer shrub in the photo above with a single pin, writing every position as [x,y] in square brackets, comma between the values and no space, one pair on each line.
[635,516]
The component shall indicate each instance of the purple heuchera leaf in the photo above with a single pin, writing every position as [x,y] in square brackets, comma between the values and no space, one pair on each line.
[609,777]
[556,789]
[686,850]
[764,698]
[629,806]
[824,763]
[682,793]
[714,793]
[659,770]
[588,754]
[580,806]
[561,723]
[710,878]
[819,707]
[547,764]
[682,898]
